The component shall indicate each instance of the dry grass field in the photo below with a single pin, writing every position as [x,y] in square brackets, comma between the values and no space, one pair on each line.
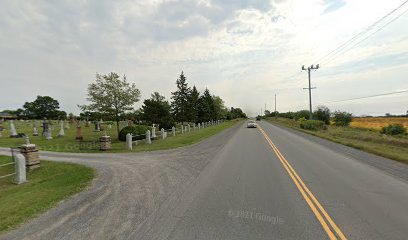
[378,123]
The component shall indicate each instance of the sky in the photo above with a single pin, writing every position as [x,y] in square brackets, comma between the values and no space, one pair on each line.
[243,51]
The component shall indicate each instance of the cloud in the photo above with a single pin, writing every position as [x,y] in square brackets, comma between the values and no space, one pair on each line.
[236,48]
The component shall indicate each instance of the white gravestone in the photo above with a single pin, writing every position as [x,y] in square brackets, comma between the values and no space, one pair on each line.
[162,133]
[153,132]
[13,132]
[49,134]
[173,129]
[20,168]
[61,132]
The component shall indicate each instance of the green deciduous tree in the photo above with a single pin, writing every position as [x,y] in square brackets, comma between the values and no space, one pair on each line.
[219,107]
[157,110]
[111,95]
[180,105]
[43,106]
[322,113]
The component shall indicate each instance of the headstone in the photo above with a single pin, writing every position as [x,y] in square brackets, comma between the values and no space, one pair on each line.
[13,132]
[97,127]
[20,167]
[129,141]
[173,129]
[188,127]
[110,126]
[61,132]
[203,125]
[44,128]
[35,131]
[148,140]
[199,126]
[162,133]
[182,129]
[49,134]
[153,132]
[194,126]
[78,133]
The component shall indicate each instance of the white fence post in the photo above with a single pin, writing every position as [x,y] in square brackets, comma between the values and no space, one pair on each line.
[148,140]
[20,164]
[129,141]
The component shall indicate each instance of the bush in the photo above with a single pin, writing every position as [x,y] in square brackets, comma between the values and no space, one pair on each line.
[313,125]
[394,129]
[134,130]
[301,114]
[342,118]
[322,113]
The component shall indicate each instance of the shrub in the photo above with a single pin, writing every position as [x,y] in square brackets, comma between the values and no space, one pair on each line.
[322,113]
[394,129]
[342,118]
[301,114]
[134,130]
[313,125]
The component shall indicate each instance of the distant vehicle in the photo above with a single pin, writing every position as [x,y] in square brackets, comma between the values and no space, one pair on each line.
[251,124]
[258,118]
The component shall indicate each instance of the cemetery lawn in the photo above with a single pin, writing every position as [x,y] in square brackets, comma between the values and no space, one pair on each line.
[90,143]
[46,186]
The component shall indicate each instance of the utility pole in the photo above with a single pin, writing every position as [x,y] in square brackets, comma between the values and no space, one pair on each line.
[276,114]
[310,88]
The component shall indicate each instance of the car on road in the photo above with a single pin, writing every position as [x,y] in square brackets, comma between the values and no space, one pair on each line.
[251,124]
[258,118]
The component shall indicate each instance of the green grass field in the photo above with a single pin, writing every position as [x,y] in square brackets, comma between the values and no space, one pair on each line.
[46,186]
[393,147]
[90,144]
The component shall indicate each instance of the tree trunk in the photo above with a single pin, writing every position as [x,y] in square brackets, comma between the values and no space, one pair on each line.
[117,125]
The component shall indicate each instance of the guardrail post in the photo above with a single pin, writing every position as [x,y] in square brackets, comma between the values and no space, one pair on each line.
[20,164]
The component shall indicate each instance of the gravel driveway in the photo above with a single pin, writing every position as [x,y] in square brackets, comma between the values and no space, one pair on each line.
[127,192]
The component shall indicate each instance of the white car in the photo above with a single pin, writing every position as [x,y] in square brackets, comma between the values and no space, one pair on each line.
[251,124]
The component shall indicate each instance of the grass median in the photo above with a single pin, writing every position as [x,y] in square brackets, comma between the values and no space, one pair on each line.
[46,186]
[369,140]
[90,144]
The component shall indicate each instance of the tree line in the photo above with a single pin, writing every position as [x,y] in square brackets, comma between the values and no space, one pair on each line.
[112,98]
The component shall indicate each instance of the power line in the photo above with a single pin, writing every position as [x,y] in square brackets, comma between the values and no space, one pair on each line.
[379,29]
[370,96]
[351,40]
[357,98]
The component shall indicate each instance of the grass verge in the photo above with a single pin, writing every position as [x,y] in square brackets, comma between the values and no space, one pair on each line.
[393,147]
[46,186]
[90,144]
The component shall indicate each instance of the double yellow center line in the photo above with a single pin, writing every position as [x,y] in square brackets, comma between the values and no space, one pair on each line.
[333,231]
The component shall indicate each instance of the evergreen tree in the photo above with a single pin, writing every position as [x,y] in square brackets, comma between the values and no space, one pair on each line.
[206,107]
[157,110]
[194,97]
[180,105]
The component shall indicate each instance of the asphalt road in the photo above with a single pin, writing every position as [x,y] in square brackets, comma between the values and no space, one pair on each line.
[265,183]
